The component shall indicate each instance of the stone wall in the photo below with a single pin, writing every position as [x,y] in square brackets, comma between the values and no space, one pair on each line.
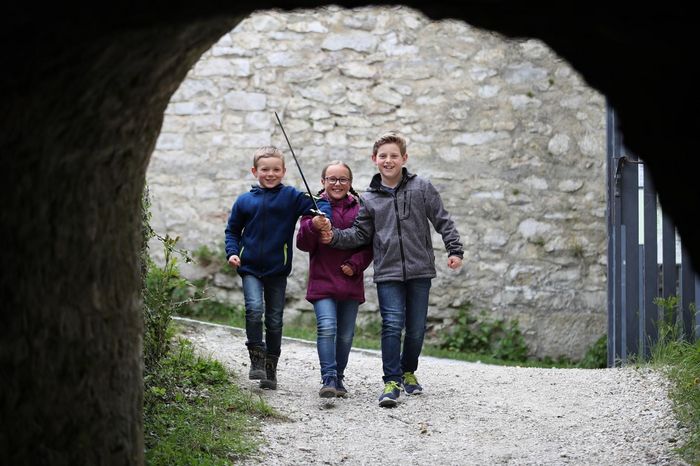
[509,134]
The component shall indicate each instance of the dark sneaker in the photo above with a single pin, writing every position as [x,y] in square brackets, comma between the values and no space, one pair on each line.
[340,390]
[411,385]
[389,398]
[329,387]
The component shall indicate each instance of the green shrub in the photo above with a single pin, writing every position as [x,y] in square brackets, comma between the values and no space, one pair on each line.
[160,303]
[160,289]
[597,355]
[481,334]
[670,326]
[199,304]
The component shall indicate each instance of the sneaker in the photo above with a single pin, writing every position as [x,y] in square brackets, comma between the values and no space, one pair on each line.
[329,387]
[389,398]
[411,385]
[340,390]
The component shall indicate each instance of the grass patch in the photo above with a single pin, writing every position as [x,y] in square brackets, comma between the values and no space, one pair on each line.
[680,361]
[438,352]
[195,414]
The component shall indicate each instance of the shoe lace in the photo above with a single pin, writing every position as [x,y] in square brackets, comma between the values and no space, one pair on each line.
[328,380]
[391,386]
[409,378]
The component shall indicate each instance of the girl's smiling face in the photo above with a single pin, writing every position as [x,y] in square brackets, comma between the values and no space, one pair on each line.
[337,182]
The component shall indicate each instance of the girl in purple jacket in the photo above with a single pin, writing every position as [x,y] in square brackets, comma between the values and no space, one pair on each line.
[336,282]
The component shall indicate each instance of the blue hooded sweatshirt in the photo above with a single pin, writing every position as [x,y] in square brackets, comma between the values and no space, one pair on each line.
[261,226]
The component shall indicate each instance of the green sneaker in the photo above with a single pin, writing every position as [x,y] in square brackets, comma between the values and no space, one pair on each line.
[411,385]
[389,398]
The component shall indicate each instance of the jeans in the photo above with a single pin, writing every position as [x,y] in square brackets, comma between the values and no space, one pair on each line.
[335,329]
[272,289]
[402,304]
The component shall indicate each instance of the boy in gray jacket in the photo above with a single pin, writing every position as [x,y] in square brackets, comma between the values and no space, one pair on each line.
[394,218]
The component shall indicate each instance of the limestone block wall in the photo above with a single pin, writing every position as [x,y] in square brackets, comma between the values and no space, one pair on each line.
[509,133]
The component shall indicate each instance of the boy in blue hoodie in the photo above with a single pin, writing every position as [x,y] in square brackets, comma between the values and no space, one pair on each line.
[259,237]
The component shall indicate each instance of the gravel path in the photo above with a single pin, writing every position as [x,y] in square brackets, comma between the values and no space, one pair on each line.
[469,414]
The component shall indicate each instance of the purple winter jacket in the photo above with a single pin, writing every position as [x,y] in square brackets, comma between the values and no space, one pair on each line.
[326,280]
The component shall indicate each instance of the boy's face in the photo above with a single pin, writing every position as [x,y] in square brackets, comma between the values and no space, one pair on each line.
[269,172]
[389,161]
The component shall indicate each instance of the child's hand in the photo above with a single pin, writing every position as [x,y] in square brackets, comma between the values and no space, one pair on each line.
[234,261]
[321,223]
[326,236]
[454,262]
[347,270]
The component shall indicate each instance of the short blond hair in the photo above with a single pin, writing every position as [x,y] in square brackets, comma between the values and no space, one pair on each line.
[390,137]
[265,152]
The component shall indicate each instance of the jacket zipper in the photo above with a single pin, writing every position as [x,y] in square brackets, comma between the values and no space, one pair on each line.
[262,233]
[398,227]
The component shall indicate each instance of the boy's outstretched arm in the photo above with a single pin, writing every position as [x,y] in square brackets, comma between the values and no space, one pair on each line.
[443,224]
[305,205]
[359,234]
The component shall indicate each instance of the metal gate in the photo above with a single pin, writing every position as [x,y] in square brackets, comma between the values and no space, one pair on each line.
[642,264]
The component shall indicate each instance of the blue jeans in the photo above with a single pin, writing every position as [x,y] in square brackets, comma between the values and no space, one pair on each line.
[272,289]
[402,304]
[335,328]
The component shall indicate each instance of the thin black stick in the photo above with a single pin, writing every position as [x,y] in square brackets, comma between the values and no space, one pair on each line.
[298,166]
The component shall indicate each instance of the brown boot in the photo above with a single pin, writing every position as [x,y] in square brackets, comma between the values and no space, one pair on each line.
[270,380]
[257,362]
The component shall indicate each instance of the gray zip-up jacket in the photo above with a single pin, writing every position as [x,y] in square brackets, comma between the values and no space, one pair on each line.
[397,226]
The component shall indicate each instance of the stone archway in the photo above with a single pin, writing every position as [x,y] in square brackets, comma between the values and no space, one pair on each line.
[82,107]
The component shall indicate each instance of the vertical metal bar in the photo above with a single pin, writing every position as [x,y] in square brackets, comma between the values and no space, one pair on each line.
[613,217]
[630,280]
[651,267]
[609,215]
[668,249]
[623,294]
[687,293]
[643,347]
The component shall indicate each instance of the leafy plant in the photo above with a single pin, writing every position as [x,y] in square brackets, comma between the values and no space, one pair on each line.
[160,285]
[481,334]
[160,303]
[204,256]
[199,304]
[670,327]
[577,249]
[597,355]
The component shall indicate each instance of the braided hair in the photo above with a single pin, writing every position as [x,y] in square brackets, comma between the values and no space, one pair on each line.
[339,162]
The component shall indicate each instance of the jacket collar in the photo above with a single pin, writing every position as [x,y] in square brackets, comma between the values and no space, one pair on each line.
[376,183]
[257,189]
[348,200]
